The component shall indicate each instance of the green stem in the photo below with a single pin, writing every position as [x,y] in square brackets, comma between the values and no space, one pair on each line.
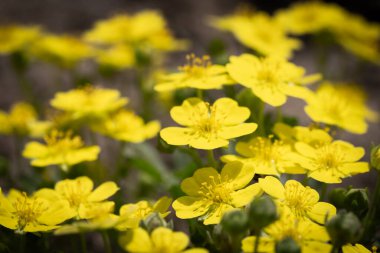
[368,221]
[279,114]
[260,121]
[22,243]
[200,94]
[211,159]
[335,249]
[83,242]
[106,241]
[323,190]
[257,242]
[193,154]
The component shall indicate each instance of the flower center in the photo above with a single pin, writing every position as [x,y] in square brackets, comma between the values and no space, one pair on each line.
[285,228]
[196,67]
[298,198]
[74,193]
[206,125]
[216,191]
[329,157]
[27,210]
[60,142]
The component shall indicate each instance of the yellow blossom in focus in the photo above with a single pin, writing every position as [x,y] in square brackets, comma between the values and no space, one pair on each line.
[211,194]
[207,126]
[161,240]
[63,50]
[271,79]
[132,214]
[126,126]
[357,248]
[259,32]
[17,38]
[198,73]
[83,200]
[340,105]
[330,162]
[118,57]
[266,156]
[300,200]
[22,120]
[32,214]
[88,102]
[144,29]
[60,149]
[309,236]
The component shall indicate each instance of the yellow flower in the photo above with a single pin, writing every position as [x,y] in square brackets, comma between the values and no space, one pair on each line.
[271,79]
[301,201]
[161,240]
[64,50]
[206,126]
[17,38]
[83,200]
[32,214]
[89,102]
[330,162]
[340,105]
[117,57]
[259,32]
[132,214]
[144,29]
[357,248]
[211,194]
[61,149]
[22,120]
[126,126]
[266,156]
[308,235]
[198,73]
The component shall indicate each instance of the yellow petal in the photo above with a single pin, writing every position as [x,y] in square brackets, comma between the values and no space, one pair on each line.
[266,244]
[137,240]
[243,197]
[238,130]
[216,214]
[305,149]
[238,174]
[228,112]
[163,237]
[163,204]
[81,184]
[272,186]
[184,114]
[190,207]
[103,192]
[321,212]
[190,186]
[176,135]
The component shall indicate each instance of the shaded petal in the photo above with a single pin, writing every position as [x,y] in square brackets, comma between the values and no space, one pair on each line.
[243,197]
[272,186]
[305,149]
[162,237]
[322,212]
[190,207]
[137,240]
[103,192]
[238,174]
[238,130]
[216,214]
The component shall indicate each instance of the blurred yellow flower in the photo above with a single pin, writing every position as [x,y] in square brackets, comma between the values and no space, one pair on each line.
[357,248]
[118,56]
[61,149]
[271,79]
[259,32]
[126,126]
[32,214]
[300,200]
[161,240]
[309,236]
[211,194]
[266,156]
[132,214]
[88,102]
[341,105]
[198,73]
[17,38]
[330,162]
[22,120]
[83,200]
[63,50]
[207,126]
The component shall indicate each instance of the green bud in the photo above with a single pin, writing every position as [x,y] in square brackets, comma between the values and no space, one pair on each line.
[343,228]
[375,157]
[235,222]
[164,147]
[357,201]
[337,196]
[153,221]
[287,245]
[261,212]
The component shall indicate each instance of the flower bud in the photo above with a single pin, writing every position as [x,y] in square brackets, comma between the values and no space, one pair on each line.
[287,245]
[153,221]
[343,228]
[375,157]
[261,212]
[235,222]
[336,197]
[356,201]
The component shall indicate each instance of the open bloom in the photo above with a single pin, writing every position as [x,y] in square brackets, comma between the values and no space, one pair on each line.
[311,238]
[32,214]
[132,214]
[199,73]
[266,156]
[88,102]
[161,240]
[330,162]
[61,149]
[211,194]
[340,105]
[82,198]
[301,201]
[126,126]
[17,38]
[207,126]
[271,79]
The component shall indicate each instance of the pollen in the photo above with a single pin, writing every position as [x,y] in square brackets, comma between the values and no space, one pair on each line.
[196,66]
[216,191]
